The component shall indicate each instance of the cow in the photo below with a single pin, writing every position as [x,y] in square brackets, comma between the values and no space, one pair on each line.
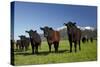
[74,35]
[52,36]
[18,44]
[84,39]
[91,39]
[35,40]
[24,42]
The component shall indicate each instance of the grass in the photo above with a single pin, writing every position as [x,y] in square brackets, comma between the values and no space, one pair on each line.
[88,53]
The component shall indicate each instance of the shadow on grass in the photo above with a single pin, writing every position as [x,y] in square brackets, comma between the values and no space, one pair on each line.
[17,50]
[41,53]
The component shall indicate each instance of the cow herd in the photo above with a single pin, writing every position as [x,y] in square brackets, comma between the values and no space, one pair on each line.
[52,36]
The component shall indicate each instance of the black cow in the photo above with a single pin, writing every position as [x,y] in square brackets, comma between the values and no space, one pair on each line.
[91,39]
[24,42]
[35,40]
[18,44]
[84,39]
[52,36]
[74,35]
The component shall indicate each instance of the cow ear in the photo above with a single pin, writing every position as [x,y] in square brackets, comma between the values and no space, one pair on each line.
[27,31]
[19,36]
[50,28]
[65,24]
[35,31]
[41,28]
[74,23]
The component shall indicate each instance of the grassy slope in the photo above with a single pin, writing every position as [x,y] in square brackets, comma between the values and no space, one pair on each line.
[87,53]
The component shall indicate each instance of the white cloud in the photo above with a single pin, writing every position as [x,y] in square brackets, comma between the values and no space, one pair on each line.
[82,28]
[60,28]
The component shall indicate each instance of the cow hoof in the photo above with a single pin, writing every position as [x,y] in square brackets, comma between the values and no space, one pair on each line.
[70,51]
[75,51]
[37,53]
[49,51]
[56,51]
[32,53]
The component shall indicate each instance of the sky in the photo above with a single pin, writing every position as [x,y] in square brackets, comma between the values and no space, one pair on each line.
[29,15]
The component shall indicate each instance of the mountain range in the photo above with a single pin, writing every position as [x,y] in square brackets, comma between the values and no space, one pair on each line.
[86,31]
[82,28]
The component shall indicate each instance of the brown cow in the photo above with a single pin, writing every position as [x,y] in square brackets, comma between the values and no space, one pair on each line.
[74,35]
[52,36]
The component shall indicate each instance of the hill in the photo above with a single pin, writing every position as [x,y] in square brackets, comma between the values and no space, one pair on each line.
[86,31]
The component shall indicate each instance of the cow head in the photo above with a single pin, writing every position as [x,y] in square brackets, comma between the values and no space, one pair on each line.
[70,25]
[22,37]
[46,30]
[31,33]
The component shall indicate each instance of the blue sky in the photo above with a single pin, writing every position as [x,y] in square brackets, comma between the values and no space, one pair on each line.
[35,15]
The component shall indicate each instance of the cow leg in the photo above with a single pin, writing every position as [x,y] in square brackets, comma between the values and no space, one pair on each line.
[79,46]
[75,46]
[19,48]
[26,47]
[32,48]
[22,47]
[36,48]
[70,46]
[16,46]
[49,47]
[57,45]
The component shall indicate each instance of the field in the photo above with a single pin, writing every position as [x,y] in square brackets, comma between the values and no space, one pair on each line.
[88,53]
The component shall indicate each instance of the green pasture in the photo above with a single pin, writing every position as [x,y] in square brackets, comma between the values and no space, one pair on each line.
[88,53]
